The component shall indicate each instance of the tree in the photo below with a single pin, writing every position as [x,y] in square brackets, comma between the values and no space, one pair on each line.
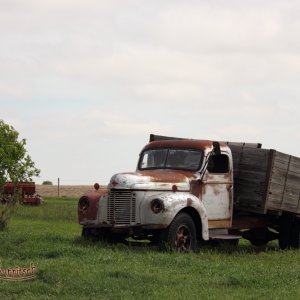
[15,165]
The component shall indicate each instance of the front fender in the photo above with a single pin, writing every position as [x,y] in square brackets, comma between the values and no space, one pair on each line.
[173,203]
[88,207]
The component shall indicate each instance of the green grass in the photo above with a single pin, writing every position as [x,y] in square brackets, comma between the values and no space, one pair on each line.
[71,268]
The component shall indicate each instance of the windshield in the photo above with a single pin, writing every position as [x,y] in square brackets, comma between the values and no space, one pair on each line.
[183,159]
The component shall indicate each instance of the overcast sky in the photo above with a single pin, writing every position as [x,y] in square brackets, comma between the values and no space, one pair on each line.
[86,82]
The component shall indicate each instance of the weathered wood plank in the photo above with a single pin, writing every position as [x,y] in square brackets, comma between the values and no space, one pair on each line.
[284,187]
[290,202]
[278,178]
[293,182]
[274,202]
[280,188]
[250,170]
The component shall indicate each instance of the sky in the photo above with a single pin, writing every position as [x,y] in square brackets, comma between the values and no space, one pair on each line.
[86,82]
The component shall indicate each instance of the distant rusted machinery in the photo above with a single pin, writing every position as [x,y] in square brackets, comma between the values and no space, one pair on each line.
[26,190]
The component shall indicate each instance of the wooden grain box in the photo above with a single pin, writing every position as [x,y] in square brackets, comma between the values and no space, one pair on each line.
[265,180]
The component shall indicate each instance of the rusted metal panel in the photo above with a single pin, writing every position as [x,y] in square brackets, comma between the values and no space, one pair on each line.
[88,206]
[153,180]
[196,187]
[26,190]
[226,223]
[216,197]
[171,176]
[188,144]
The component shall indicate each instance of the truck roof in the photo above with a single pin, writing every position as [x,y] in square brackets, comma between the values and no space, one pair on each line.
[155,137]
[189,144]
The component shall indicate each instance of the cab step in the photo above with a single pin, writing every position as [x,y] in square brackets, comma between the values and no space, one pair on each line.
[225,237]
[222,234]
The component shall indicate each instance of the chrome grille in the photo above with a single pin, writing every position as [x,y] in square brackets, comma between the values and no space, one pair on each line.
[121,207]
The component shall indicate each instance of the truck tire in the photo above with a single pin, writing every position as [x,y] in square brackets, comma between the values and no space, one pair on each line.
[285,231]
[295,234]
[256,236]
[258,242]
[86,233]
[92,234]
[182,234]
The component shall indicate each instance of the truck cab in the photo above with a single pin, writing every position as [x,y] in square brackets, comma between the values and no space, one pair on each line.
[180,192]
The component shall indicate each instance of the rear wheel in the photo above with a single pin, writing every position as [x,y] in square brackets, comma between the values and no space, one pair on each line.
[295,234]
[182,234]
[259,236]
[289,232]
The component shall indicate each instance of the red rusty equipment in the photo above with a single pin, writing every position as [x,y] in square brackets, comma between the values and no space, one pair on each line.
[27,192]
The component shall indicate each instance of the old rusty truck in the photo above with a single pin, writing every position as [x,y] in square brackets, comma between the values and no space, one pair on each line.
[185,192]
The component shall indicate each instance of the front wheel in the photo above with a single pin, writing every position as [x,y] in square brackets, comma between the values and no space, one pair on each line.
[182,234]
[86,233]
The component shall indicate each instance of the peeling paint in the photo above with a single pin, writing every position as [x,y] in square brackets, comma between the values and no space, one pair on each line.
[189,202]
[91,213]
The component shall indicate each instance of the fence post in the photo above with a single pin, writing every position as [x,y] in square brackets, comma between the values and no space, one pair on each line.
[58,187]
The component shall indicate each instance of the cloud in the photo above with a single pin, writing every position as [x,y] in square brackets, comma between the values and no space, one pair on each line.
[79,79]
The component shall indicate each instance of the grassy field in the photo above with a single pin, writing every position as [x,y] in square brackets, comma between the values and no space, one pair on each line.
[71,268]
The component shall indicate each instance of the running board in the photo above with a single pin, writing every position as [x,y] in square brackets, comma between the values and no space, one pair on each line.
[222,234]
[225,237]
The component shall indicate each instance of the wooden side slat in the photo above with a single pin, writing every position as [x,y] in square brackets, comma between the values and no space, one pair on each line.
[284,189]
[250,178]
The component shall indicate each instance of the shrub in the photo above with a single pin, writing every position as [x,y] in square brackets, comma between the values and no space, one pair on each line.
[47,182]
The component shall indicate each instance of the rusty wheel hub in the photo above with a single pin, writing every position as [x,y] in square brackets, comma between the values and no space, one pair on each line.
[183,239]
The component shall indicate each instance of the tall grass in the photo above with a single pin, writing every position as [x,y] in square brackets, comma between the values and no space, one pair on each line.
[72,268]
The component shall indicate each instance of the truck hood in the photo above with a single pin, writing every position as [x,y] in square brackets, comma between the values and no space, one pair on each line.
[153,180]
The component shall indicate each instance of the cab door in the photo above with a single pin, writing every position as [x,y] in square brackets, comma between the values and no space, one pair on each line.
[217,191]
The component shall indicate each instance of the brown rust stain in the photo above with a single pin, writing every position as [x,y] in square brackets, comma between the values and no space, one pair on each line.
[189,202]
[91,212]
[196,188]
[216,190]
[230,195]
[219,223]
[169,176]
[193,144]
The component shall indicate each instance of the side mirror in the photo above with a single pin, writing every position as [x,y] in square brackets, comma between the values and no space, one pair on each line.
[216,148]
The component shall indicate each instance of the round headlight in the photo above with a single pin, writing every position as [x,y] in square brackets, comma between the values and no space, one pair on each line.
[83,203]
[157,206]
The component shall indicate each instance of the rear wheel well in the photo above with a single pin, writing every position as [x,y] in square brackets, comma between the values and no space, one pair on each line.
[196,218]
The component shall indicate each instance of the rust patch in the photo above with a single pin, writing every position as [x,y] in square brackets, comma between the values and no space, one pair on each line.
[196,188]
[216,190]
[189,202]
[230,194]
[170,176]
[219,223]
[192,144]
[91,212]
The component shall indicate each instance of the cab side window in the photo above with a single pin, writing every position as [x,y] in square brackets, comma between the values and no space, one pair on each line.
[218,164]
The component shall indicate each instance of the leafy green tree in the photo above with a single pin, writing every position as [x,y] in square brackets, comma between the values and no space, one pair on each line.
[15,166]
